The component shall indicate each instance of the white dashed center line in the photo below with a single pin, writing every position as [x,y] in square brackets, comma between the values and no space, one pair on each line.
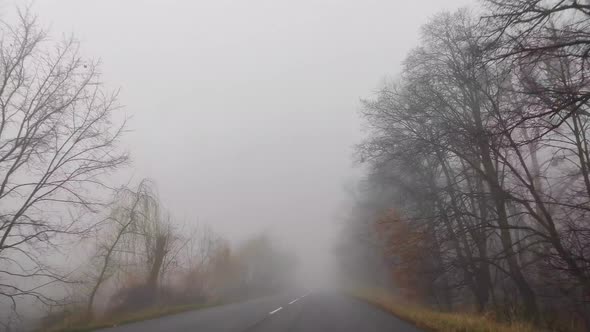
[293,301]
[274,311]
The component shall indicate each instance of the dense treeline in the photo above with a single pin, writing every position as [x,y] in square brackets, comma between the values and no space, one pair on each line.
[479,186]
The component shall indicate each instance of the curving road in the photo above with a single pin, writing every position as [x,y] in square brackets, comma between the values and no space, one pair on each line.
[291,311]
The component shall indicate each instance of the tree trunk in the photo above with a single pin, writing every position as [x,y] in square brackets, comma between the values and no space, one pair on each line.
[159,254]
[499,200]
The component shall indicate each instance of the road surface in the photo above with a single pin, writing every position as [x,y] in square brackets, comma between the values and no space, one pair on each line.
[291,311]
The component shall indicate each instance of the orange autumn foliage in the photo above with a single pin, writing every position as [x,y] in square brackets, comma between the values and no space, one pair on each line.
[404,244]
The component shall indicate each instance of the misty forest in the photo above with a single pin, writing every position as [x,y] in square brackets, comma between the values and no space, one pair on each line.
[470,210]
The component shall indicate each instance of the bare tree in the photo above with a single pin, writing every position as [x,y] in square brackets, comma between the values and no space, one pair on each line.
[143,247]
[58,139]
[533,33]
[124,221]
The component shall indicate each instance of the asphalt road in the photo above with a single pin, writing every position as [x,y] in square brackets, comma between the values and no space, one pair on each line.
[291,311]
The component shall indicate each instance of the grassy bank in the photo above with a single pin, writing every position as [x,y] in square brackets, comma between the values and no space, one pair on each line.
[431,320]
[127,318]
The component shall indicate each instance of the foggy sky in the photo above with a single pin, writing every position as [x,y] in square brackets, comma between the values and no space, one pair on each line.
[245,112]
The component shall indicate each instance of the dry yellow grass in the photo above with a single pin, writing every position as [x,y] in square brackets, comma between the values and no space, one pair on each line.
[431,320]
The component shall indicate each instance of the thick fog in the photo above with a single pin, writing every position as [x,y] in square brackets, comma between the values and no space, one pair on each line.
[245,112]
[172,155]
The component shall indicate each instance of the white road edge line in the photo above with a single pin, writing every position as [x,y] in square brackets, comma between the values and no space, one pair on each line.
[293,301]
[272,312]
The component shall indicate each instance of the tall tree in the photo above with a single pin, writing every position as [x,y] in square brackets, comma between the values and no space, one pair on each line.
[58,138]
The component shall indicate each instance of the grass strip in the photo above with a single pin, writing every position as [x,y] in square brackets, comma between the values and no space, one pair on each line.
[436,321]
[146,314]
